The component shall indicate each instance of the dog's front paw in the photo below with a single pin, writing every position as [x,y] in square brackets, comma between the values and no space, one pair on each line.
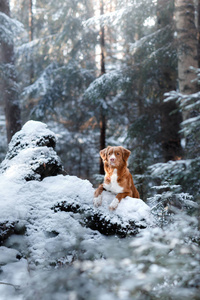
[113,205]
[97,201]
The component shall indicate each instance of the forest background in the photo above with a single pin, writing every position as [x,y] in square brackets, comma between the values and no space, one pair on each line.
[98,73]
[117,72]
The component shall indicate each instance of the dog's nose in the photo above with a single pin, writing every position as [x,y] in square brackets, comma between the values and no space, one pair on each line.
[112,159]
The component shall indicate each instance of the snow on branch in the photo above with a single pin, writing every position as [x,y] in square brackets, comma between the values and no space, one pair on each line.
[197,72]
[35,44]
[27,46]
[41,85]
[9,28]
[186,103]
[115,17]
[101,87]
[111,18]
[155,35]
[190,125]
[172,95]
[7,71]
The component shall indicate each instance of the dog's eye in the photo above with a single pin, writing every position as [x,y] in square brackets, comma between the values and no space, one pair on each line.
[117,153]
[109,153]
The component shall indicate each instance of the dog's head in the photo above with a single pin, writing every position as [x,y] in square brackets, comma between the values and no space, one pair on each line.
[115,156]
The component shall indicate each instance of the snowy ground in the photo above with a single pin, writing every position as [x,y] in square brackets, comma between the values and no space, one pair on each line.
[45,239]
[53,255]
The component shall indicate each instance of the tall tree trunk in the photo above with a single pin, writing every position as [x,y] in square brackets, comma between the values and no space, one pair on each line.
[8,83]
[102,40]
[187,46]
[170,123]
[31,37]
[198,32]
[103,71]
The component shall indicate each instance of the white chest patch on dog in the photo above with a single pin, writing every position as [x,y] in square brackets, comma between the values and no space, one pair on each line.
[113,186]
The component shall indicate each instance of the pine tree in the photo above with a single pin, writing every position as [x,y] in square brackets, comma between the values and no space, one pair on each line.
[64,65]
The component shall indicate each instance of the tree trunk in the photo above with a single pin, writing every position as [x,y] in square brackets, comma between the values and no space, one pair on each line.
[187,47]
[102,137]
[8,83]
[31,37]
[170,123]
[30,21]
[102,41]
[198,32]
[103,71]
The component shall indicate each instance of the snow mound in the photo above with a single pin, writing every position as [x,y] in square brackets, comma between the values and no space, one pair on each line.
[130,216]
[33,134]
[31,157]
[52,233]
[31,154]
[129,209]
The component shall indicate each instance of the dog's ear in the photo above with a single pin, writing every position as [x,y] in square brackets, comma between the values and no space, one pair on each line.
[125,153]
[103,153]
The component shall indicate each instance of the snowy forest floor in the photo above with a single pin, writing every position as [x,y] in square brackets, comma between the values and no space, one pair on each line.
[56,245]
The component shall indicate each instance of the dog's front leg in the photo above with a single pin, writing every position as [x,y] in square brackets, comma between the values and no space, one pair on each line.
[98,196]
[113,205]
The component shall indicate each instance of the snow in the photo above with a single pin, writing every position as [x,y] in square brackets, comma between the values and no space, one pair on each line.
[31,202]
[54,253]
[20,199]
[18,166]
[51,237]
[8,28]
[7,255]
[58,238]
[111,18]
[42,83]
[32,128]
[191,120]
[141,42]
[103,85]
[31,149]
[32,135]
[128,209]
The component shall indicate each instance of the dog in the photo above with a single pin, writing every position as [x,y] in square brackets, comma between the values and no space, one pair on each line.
[118,179]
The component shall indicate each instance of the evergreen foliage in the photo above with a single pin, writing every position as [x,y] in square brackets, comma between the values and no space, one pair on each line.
[184,172]
[8,28]
[141,65]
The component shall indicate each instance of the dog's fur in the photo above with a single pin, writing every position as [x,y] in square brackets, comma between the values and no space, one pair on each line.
[118,179]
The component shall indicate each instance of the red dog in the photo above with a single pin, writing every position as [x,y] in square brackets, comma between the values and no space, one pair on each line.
[118,179]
